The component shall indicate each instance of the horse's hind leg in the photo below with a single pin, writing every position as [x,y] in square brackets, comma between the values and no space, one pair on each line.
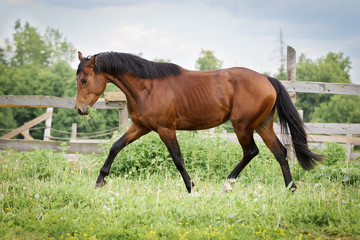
[266,131]
[250,150]
[133,133]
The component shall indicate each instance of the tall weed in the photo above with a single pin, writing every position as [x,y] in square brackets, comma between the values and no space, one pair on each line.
[334,167]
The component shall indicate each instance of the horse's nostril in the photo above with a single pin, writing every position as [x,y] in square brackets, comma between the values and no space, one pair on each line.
[81,112]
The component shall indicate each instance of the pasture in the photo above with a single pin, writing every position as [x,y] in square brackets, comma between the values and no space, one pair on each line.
[45,196]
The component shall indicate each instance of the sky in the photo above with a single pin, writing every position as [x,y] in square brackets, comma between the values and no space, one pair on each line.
[243,33]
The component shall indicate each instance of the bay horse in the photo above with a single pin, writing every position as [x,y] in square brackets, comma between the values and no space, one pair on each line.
[164,97]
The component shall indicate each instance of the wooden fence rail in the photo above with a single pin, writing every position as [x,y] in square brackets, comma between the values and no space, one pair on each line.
[62,102]
[28,145]
[321,87]
[53,102]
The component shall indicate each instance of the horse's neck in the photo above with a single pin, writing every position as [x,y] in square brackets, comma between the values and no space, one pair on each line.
[134,88]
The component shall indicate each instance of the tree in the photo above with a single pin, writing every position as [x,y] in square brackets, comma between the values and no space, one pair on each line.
[282,74]
[59,48]
[30,47]
[3,61]
[37,64]
[207,61]
[6,114]
[340,109]
[167,60]
[334,67]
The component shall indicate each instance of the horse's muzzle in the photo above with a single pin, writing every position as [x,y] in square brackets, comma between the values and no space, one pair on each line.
[81,112]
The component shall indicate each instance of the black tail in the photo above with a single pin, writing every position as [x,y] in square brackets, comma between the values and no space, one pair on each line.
[290,119]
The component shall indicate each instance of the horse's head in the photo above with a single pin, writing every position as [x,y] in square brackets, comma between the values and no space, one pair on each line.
[90,84]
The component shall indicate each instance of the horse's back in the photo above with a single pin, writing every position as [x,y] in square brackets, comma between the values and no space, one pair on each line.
[206,99]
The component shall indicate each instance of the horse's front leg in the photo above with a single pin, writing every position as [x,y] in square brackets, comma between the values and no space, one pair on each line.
[168,136]
[133,133]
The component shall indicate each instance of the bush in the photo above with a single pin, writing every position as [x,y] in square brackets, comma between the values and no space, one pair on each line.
[334,167]
[205,157]
[215,157]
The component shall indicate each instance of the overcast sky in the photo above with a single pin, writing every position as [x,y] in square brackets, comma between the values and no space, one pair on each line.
[241,33]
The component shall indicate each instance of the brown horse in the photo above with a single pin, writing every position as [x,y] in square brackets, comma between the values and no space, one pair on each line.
[164,97]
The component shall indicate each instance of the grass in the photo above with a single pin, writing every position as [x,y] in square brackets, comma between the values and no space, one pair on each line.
[90,118]
[45,196]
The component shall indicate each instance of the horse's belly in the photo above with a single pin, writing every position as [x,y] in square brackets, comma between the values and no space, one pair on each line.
[202,118]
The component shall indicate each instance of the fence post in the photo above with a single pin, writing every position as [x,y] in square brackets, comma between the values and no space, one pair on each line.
[47,130]
[349,148]
[73,132]
[291,69]
[291,76]
[123,117]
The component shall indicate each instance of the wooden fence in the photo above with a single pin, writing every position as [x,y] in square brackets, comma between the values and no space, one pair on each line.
[318,132]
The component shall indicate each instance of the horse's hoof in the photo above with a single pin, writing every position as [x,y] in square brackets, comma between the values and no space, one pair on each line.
[227,186]
[100,184]
[293,189]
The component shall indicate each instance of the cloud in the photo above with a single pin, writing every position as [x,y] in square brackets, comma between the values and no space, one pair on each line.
[154,43]
[91,4]
[332,19]
[18,2]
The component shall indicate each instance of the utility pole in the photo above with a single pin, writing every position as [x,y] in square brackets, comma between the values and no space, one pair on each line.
[282,55]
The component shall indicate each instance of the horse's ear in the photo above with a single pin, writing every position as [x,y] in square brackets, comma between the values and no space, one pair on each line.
[92,61]
[80,56]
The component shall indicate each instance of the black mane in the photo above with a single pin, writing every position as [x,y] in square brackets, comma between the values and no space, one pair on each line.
[116,64]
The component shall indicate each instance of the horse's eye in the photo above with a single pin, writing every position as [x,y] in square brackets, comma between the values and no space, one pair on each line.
[84,80]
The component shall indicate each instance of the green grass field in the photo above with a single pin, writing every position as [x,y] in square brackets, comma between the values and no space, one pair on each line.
[43,195]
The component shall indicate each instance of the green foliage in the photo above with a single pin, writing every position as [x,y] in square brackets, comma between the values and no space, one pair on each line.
[3,61]
[32,48]
[45,196]
[36,64]
[201,156]
[334,167]
[335,153]
[214,158]
[29,46]
[282,74]
[208,61]
[166,60]
[339,109]
[30,79]
[333,68]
